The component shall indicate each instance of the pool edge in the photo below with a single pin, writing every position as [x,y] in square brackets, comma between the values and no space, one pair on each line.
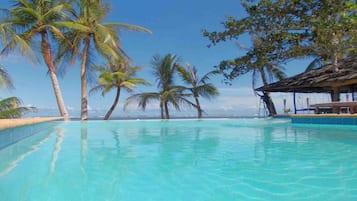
[334,119]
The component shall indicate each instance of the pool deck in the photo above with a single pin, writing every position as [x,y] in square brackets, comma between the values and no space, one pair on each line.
[11,123]
[339,119]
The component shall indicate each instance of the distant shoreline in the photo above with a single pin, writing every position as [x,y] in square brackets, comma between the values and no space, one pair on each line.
[158,118]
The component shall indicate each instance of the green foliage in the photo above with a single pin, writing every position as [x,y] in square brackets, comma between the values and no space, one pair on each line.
[27,19]
[169,94]
[89,29]
[282,30]
[11,108]
[5,80]
[198,86]
[163,70]
[117,75]
[30,27]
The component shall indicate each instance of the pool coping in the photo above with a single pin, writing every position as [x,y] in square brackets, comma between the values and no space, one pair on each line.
[324,115]
[12,123]
[336,119]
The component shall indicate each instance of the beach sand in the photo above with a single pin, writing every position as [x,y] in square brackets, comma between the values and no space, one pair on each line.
[10,123]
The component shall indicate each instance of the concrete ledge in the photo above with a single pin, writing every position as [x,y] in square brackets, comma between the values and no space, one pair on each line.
[11,123]
[323,115]
[340,119]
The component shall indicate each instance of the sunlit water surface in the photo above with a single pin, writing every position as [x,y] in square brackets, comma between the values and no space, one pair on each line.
[218,160]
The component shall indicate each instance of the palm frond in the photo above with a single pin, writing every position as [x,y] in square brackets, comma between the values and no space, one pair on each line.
[30,12]
[315,64]
[5,79]
[73,25]
[96,89]
[23,44]
[255,78]
[129,27]
[185,75]
[143,99]
[11,108]
[207,91]
[207,76]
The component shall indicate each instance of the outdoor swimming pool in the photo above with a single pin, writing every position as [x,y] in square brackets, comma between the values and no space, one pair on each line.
[223,159]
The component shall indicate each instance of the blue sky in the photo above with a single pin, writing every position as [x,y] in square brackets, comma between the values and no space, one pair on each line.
[176,27]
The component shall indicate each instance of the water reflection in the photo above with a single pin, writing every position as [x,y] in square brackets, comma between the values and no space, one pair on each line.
[109,161]
[13,155]
[83,149]
[301,143]
[56,150]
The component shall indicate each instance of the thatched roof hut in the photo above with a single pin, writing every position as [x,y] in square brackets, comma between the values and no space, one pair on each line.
[327,79]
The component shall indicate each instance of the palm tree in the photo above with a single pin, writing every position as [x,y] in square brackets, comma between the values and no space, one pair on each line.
[94,34]
[117,76]
[30,20]
[169,93]
[267,71]
[199,86]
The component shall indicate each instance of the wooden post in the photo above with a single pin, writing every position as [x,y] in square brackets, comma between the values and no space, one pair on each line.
[335,94]
[353,96]
[335,98]
[294,103]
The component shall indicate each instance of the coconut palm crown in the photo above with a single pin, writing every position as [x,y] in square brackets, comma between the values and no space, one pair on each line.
[117,76]
[198,86]
[169,93]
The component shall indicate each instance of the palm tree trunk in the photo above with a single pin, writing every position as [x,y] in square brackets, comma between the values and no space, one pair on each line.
[84,98]
[46,53]
[199,110]
[161,110]
[167,111]
[269,103]
[266,96]
[110,111]
[58,94]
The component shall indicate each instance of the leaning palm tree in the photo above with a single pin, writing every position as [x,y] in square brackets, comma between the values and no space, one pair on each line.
[29,21]
[199,86]
[259,62]
[94,36]
[163,70]
[117,76]
[267,71]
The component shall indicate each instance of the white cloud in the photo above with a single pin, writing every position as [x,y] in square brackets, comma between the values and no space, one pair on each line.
[70,108]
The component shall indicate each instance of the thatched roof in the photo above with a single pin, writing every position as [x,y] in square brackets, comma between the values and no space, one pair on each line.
[324,79]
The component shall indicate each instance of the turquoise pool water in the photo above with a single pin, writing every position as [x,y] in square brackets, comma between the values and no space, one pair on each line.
[227,159]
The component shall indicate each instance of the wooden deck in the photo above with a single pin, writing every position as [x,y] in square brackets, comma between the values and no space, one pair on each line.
[11,123]
[336,107]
